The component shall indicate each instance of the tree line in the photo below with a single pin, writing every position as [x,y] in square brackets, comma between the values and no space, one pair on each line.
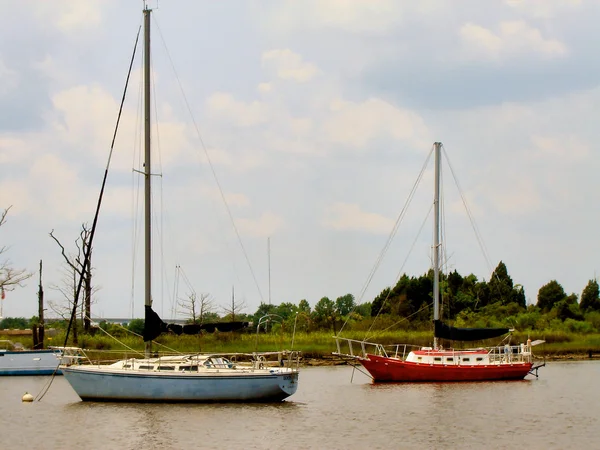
[465,300]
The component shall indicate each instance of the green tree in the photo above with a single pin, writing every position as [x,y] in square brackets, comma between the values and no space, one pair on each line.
[324,312]
[549,295]
[568,308]
[590,297]
[380,305]
[14,323]
[263,310]
[345,304]
[363,310]
[286,310]
[304,306]
[501,286]
[137,326]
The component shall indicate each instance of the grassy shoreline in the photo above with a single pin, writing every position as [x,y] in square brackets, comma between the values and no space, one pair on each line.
[317,347]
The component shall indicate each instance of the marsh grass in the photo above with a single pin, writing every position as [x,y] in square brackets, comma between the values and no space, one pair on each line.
[316,344]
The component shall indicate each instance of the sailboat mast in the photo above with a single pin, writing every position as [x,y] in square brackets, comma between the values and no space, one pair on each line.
[147,173]
[436,238]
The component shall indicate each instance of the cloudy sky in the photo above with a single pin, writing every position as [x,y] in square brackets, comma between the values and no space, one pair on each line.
[317,117]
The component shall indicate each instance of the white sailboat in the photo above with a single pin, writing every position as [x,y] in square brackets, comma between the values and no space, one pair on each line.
[269,376]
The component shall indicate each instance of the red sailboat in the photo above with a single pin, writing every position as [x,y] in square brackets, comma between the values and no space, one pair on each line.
[398,363]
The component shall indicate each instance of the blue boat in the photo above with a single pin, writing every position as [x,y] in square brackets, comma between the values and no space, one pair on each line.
[14,360]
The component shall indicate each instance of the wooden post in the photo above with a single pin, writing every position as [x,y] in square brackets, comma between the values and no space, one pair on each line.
[38,331]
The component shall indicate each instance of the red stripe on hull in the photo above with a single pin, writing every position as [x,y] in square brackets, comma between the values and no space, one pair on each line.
[388,369]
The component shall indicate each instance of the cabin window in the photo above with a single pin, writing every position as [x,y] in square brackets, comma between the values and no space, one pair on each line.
[466,359]
[479,359]
[166,368]
[127,366]
[450,359]
[420,358]
[437,358]
[146,367]
[189,368]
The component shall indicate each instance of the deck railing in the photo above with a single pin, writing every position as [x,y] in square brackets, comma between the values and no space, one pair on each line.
[355,349]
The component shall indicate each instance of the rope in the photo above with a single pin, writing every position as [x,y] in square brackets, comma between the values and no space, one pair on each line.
[390,238]
[469,214]
[212,168]
[87,249]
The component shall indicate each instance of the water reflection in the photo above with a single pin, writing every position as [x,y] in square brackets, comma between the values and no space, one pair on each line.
[333,408]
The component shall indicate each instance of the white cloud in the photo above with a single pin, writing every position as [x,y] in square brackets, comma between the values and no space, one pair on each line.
[51,191]
[70,17]
[348,15]
[233,198]
[264,87]
[224,105]
[338,121]
[565,149]
[517,196]
[349,216]
[356,123]
[545,9]
[263,226]
[9,78]
[512,39]
[288,65]
[13,149]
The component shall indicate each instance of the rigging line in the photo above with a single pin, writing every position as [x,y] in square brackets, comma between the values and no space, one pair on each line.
[114,338]
[212,168]
[187,281]
[135,191]
[407,317]
[390,238]
[401,268]
[160,165]
[86,259]
[138,335]
[395,227]
[175,292]
[469,214]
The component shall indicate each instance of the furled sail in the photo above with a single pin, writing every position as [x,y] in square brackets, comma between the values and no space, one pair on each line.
[154,326]
[444,331]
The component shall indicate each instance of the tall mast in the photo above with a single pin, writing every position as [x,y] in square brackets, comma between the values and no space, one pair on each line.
[147,172]
[436,239]
[269,264]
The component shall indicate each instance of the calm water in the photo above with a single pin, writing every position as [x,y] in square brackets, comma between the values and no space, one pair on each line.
[558,411]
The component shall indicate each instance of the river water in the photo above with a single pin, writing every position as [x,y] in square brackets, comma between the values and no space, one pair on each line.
[334,408]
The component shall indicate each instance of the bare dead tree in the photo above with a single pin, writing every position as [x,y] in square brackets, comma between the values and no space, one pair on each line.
[74,269]
[197,308]
[206,305]
[236,306]
[9,276]
[67,289]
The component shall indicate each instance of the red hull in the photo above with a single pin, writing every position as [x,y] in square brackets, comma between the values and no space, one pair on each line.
[389,369]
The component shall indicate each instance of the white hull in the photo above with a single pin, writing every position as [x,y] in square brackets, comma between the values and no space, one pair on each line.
[100,383]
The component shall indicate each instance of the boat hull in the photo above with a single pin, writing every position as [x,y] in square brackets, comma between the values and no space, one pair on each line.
[396,370]
[29,362]
[99,384]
